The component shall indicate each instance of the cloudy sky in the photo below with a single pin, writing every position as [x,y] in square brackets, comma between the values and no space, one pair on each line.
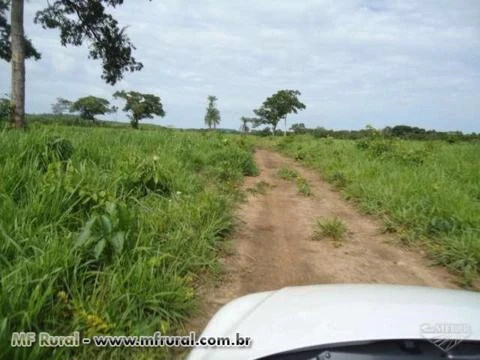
[356,62]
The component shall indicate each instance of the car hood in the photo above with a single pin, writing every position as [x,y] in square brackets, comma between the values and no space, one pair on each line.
[306,316]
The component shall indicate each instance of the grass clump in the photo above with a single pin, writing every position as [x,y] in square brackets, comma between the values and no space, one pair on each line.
[460,255]
[287,173]
[338,179]
[333,228]
[260,187]
[303,187]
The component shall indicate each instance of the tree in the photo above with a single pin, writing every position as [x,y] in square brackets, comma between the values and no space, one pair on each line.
[245,121]
[141,106]
[5,33]
[299,128]
[114,110]
[62,105]
[212,116]
[278,107]
[90,106]
[18,65]
[266,116]
[79,21]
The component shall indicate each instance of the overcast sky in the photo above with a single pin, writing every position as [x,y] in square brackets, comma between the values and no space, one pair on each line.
[356,62]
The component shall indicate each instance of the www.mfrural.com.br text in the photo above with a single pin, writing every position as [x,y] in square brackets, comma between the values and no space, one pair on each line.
[45,339]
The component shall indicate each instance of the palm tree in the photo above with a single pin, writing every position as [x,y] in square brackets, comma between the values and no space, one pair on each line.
[212,116]
[244,127]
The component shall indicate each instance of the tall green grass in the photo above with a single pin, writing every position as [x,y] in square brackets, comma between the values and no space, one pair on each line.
[426,191]
[105,231]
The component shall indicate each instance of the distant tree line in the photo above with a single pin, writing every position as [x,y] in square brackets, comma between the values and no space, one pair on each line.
[398,131]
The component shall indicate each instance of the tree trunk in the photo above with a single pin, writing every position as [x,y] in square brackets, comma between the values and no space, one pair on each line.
[285,122]
[18,65]
[274,128]
[135,123]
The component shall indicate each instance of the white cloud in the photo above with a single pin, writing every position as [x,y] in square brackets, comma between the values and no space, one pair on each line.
[356,61]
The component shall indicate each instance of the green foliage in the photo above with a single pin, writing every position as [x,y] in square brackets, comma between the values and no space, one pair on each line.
[61,106]
[90,106]
[460,254]
[277,107]
[338,179]
[104,230]
[392,149]
[140,106]
[428,191]
[5,109]
[47,150]
[407,133]
[245,121]
[222,159]
[298,128]
[330,228]
[266,131]
[105,235]
[36,120]
[86,21]
[212,115]
[5,31]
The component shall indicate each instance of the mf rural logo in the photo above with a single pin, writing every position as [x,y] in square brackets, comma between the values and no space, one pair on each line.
[446,336]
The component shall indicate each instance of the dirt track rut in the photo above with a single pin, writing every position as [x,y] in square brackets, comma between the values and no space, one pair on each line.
[273,246]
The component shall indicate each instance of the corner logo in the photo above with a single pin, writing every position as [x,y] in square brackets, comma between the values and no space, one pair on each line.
[446,336]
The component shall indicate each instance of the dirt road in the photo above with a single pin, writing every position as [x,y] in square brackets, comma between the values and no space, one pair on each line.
[273,246]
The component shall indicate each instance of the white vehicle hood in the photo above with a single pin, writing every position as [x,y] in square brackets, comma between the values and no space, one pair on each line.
[306,316]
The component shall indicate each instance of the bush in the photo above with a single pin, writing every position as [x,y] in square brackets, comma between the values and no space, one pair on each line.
[5,109]
[338,179]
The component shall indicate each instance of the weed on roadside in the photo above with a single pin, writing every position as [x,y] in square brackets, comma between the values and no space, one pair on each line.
[260,188]
[332,228]
[287,173]
[303,186]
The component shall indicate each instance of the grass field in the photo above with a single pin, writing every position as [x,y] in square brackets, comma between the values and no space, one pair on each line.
[105,230]
[108,230]
[427,192]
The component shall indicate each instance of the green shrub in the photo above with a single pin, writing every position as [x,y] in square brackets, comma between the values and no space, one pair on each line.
[5,109]
[338,179]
